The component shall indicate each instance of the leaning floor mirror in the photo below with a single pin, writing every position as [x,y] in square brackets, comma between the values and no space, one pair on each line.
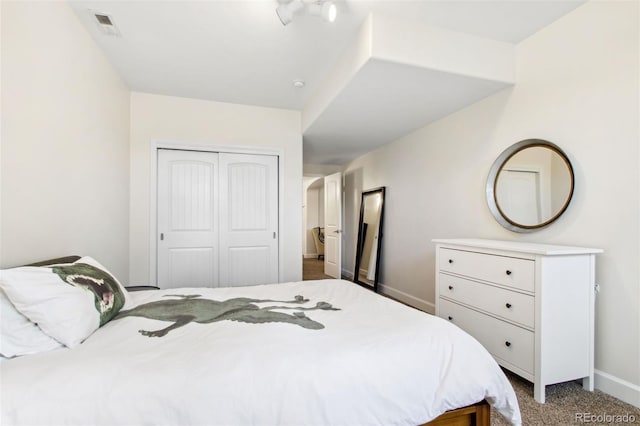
[369,238]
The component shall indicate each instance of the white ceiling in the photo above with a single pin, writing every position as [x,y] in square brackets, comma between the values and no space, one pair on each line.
[367,114]
[239,52]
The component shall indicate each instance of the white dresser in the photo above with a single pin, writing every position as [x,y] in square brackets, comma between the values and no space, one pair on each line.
[530,305]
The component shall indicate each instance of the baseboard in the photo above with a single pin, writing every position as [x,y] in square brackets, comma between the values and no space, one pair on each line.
[347,275]
[310,255]
[403,297]
[617,387]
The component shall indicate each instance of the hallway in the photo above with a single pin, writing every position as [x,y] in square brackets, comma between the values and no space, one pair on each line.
[313,269]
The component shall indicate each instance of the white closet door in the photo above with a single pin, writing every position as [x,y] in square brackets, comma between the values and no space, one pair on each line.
[187,219]
[248,219]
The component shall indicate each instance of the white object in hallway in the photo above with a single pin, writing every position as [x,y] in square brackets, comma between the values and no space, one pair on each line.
[333,225]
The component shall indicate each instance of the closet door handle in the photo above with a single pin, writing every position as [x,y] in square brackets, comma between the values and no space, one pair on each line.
[507,343]
[450,317]
[450,260]
[508,272]
[450,287]
[508,305]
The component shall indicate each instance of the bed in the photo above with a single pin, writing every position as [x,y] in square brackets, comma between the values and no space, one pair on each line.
[323,352]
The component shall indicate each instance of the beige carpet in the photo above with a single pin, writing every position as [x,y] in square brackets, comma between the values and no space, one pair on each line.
[565,403]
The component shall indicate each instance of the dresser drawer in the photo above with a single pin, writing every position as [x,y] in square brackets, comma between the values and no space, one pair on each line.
[508,271]
[505,341]
[513,306]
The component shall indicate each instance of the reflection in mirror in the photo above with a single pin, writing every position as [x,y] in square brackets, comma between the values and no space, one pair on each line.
[369,238]
[530,185]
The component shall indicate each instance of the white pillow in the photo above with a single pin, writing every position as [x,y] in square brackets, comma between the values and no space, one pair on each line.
[18,335]
[68,302]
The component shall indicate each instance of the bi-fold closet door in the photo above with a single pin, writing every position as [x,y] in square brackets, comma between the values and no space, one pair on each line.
[217,217]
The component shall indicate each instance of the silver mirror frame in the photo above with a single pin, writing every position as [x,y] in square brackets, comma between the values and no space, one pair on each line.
[492,180]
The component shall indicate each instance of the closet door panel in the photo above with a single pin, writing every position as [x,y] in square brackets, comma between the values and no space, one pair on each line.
[187,253]
[191,267]
[248,190]
[248,219]
[248,265]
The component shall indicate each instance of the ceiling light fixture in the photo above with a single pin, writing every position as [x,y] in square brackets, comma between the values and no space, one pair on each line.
[326,9]
[285,11]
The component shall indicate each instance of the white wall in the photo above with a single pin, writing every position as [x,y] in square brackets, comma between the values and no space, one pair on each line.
[315,214]
[313,211]
[577,86]
[307,238]
[65,141]
[320,170]
[191,121]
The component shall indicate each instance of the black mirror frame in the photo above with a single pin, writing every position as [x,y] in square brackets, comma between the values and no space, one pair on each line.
[359,242]
[492,181]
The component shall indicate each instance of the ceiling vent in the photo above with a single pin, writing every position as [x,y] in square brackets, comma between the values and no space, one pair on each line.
[105,24]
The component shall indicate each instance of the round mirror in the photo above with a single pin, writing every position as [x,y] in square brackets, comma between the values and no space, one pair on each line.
[530,185]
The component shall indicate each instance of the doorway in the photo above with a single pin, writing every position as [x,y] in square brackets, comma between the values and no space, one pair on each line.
[313,229]
[313,217]
[322,227]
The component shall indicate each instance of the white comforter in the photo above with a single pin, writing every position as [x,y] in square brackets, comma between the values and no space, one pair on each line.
[375,362]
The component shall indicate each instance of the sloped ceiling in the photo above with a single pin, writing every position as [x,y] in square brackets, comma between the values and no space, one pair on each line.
[402,76]
[384,87]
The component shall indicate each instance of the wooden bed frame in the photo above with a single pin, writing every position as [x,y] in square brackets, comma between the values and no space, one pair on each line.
[474,415]
[478,414]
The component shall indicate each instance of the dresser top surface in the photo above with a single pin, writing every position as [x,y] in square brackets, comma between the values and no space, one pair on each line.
[517,246]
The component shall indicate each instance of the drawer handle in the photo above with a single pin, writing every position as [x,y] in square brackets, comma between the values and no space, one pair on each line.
[507,343]
[508,305]
[450,318]
[450,287]
[450,260]
[508,272]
